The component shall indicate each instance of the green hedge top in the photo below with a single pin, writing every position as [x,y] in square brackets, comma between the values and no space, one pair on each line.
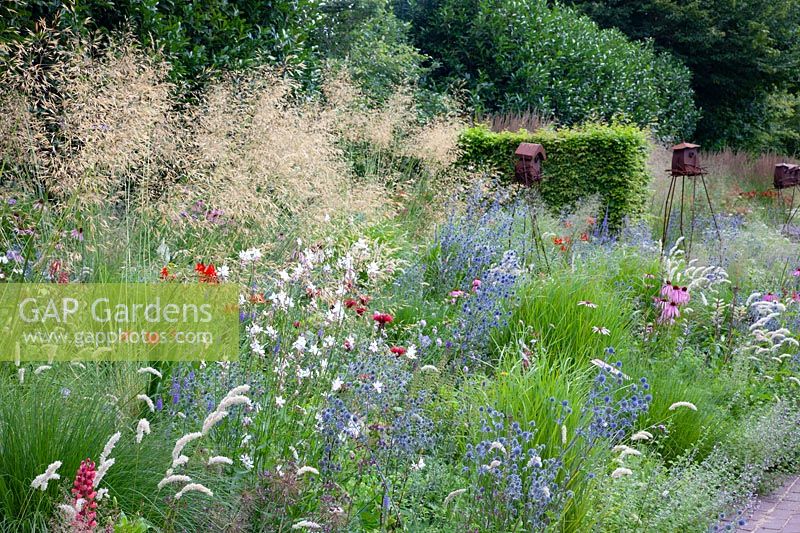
[607,160]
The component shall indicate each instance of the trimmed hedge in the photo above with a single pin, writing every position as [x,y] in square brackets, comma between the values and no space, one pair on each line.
[607,160]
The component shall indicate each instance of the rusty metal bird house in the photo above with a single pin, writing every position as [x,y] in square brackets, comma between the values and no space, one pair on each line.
[686,160]
[686,164]
[786,176]
[529,165]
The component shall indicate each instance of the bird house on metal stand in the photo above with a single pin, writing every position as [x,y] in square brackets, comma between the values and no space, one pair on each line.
[787,176]
[528,169]
[685,164]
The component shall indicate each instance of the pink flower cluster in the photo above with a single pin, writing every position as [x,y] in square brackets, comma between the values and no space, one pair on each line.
[672,298]
[83,489]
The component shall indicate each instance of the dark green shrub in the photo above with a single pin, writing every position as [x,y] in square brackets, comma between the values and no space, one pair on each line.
[607,160]
[514,55]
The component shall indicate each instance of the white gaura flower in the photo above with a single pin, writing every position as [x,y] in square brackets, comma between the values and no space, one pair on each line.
[40,369]
[419,465]
[146,399]
[193,487]
[173,479]
[307,470]
[247,461]
[224,272]
[454,494]
[149,370]
[251,255]
[411,353]
[378,386]
[220,460]
[688,405]
[101,493]
[142,429]
[621,471]
[279,401]
[642,435]
[41,481]
[336,384]
[306,524]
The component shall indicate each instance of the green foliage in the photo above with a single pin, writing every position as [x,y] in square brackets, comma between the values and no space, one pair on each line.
[200,39]
[740,54]
[608,160]
[513,55]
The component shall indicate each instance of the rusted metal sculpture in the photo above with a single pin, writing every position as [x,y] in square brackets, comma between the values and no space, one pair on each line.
[685,164]
[529,167]
[787,176]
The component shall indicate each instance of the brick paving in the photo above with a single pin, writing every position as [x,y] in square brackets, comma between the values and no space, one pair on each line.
[777,512]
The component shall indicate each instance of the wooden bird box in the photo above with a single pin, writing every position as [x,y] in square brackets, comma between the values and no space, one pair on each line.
[686,160]
[529,167]
[786,176]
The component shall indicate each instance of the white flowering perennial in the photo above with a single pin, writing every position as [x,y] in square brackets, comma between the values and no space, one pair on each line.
[42,368]
[220,460]
[307,470]
[620,472]
[450,497]
[306,524]
[688,405]
[174,478]
[146,399]
[193,487]
[40,482]
[142,429]
[180,444]
[642,435]
[149,370]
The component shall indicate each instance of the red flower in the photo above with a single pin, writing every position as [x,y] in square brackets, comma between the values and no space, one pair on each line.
[206,273]
[360,310]
[382,318]
[296,324]
[398,350]
[258,298]
[558,240]
[585,237]
[83,489]
[364,299]
[350,303]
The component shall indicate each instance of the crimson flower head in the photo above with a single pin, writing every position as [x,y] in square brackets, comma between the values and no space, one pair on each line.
[206,273]
[364,299]
[83,488]
[585,237]
[296,324]
[360,310]
[350,303]
[382,318]
[164,273]
[398,350]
